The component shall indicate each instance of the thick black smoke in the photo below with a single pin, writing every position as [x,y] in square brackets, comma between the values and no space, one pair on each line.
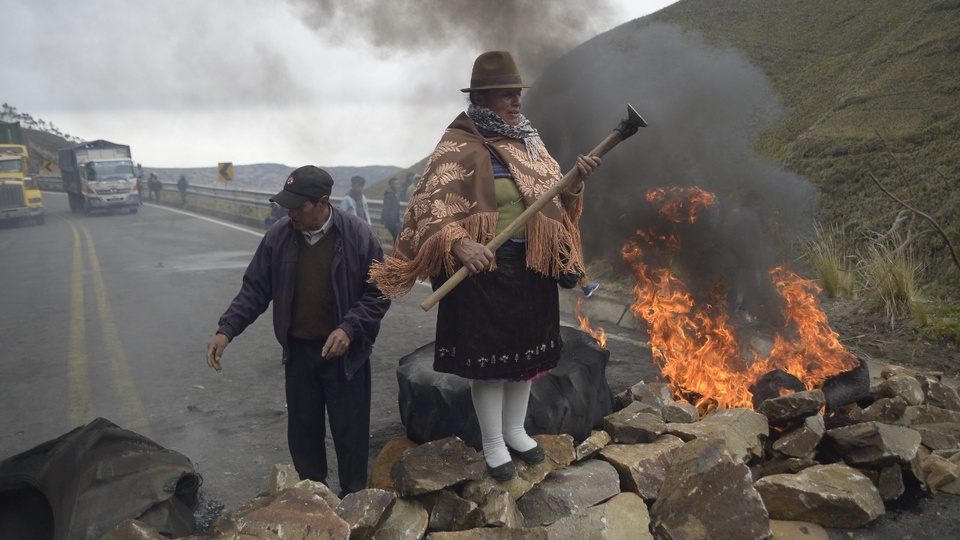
[535,32]
[706,107]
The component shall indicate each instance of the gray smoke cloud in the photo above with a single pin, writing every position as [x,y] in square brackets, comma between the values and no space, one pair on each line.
[706,106]
[541,30]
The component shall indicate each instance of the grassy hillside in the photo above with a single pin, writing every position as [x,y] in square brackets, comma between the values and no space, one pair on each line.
[870,88]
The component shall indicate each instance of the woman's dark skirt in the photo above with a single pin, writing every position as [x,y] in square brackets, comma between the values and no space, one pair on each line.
[503,324]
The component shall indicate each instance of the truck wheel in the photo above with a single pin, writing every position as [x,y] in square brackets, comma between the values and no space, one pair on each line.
[41,220]
[133,210]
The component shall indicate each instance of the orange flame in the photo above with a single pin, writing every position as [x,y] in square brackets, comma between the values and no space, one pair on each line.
[696,347]
[816,354]
[681,204]
[598,333]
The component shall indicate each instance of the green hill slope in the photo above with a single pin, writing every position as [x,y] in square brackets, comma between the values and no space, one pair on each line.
[754,100]
[858,79]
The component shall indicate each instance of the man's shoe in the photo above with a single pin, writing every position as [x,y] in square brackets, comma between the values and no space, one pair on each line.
[502,473]
[588,290]
[532,456]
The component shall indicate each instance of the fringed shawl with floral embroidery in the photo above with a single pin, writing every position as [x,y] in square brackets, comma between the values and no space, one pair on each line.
[456,198]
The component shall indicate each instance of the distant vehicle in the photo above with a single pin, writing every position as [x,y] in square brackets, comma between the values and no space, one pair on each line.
[20,197]
[100,176]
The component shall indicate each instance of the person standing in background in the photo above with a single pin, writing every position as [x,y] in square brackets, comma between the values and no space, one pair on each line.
[313,266]
[182,188]
[355,202]
[407,182]
[390,216]
[407,193]
[140,182]
[154,184]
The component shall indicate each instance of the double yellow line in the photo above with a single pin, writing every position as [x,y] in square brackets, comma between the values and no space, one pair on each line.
[81,411]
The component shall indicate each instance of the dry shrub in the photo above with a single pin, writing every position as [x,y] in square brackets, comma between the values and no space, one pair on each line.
[829,252]
[889,275]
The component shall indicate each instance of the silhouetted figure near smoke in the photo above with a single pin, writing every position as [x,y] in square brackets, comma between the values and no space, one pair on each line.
[500,327]
[744,257]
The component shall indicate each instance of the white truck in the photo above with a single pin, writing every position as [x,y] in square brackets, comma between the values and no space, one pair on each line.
[100,176]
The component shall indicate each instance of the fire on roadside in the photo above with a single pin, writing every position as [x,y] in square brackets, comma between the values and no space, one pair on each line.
[598,333]
[693,341]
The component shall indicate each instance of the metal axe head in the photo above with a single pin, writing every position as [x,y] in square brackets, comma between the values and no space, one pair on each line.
[629,125]
[634,118]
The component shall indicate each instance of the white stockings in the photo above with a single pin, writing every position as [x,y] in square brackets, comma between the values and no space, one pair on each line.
[501,411]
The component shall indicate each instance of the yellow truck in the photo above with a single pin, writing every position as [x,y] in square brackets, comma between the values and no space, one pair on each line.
[20,197]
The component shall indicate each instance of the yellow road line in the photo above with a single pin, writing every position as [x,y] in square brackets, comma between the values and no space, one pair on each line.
[132,409]
[78,372]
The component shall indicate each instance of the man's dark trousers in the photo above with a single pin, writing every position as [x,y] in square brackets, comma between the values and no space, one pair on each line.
[312,384]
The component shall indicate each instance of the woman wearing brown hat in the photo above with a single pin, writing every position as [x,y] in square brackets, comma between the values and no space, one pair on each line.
[500,327]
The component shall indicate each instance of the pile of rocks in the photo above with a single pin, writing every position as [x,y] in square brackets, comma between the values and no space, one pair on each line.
[655,470]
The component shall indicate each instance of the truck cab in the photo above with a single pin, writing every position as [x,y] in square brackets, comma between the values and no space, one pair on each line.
[20,197]
[100,176]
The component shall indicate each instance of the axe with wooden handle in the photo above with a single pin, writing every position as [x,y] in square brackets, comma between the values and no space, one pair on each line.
[628,126]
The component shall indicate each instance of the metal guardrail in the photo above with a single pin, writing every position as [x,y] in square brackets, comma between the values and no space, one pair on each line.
[247,207]
[253,205]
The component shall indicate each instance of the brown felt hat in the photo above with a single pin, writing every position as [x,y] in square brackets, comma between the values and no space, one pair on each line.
[494,69]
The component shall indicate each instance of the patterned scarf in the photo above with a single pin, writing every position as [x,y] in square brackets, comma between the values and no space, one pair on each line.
[456,199]
[488,120]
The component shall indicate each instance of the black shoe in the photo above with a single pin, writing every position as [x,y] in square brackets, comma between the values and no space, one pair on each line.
[504,472]
[532,456]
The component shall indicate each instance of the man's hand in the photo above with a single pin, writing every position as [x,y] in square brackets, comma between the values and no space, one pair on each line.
[337,343]
[215,350]
[475,256]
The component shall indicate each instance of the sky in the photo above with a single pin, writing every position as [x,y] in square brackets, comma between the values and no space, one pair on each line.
[191,83]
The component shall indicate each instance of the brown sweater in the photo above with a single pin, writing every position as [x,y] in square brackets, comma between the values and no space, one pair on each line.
[313,301]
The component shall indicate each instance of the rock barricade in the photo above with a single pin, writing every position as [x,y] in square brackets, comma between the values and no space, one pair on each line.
[648,473]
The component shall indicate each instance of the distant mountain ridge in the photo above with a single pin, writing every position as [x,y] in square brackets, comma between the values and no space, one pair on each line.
[44,147]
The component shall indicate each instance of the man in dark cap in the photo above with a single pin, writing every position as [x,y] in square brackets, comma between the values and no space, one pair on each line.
[313,265]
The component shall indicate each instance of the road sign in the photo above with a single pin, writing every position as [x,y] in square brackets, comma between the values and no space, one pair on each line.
[224,172]
[49,166]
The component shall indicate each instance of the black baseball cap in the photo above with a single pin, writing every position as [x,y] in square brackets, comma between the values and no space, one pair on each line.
[307,182]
